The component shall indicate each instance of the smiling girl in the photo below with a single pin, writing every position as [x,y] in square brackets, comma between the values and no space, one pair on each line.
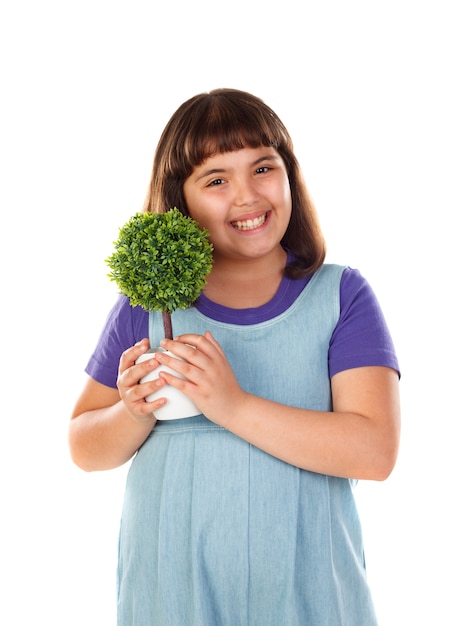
[244,514]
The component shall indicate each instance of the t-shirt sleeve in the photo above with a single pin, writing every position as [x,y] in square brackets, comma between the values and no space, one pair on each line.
[361,337]
[124,326]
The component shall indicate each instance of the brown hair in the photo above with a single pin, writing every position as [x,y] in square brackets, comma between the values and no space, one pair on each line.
[221,121]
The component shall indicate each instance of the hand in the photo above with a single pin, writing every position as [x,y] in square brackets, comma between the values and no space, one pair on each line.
[131,392]
[210,381]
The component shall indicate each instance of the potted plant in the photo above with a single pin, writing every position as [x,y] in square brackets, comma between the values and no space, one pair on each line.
[160,263]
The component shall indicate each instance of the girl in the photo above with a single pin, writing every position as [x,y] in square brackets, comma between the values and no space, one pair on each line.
[244,514]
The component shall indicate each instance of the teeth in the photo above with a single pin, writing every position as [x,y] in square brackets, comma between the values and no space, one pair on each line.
[250,224]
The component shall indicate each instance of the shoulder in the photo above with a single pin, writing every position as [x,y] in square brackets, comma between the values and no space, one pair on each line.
[122,306]
[356,294]
[125,325]
[361,337]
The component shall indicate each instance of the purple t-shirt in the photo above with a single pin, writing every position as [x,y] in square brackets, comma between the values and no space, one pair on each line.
[361,337]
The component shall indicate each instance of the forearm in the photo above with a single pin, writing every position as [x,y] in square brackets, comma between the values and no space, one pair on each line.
[106,438]
[359,438]
[335,443]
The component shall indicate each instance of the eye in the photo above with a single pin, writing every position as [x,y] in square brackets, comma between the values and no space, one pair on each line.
[215,182]
[263,169]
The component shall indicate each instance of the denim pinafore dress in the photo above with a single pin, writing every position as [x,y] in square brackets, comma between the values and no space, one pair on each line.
[216,532]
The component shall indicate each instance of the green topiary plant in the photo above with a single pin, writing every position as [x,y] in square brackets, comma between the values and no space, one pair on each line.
[161,261]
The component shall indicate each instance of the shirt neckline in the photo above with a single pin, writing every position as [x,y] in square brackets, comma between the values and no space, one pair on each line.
[286,294]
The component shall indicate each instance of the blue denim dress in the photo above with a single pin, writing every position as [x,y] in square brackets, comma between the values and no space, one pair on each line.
[216,532]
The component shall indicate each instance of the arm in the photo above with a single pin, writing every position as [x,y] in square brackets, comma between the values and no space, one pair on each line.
[358,439]
[109,425]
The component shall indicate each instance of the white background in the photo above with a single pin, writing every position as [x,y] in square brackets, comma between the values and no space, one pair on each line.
[369,92]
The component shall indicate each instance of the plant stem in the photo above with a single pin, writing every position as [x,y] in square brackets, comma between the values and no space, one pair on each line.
[167,325]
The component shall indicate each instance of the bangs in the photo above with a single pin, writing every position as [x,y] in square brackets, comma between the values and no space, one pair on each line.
[224,124]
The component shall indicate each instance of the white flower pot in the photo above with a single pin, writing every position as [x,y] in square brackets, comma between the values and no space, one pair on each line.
[178,405]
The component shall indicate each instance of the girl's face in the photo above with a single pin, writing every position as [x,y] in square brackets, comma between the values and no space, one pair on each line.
[243,198]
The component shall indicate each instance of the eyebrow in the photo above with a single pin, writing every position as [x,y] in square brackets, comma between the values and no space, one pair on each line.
[221,170]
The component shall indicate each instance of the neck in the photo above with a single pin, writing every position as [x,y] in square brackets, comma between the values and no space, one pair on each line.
[245,284]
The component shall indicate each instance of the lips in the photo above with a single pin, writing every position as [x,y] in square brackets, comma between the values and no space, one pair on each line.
[250,224]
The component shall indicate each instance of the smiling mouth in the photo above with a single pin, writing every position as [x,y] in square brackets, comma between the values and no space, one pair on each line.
[250,224]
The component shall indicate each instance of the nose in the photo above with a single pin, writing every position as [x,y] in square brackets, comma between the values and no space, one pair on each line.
[245,192]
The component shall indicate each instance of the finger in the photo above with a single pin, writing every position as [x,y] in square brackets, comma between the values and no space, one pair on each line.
[145,411]
[181,345]
[186,351]
[129,356]
[178,364]
[135,397]
[134,374]
[214,342]
[151,392]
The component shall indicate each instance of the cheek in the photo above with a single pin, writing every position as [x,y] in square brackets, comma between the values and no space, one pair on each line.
[281,194]
[197,205]
[286,200]
[200,214]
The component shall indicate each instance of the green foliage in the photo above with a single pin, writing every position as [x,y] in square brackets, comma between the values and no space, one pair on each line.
[161,260]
